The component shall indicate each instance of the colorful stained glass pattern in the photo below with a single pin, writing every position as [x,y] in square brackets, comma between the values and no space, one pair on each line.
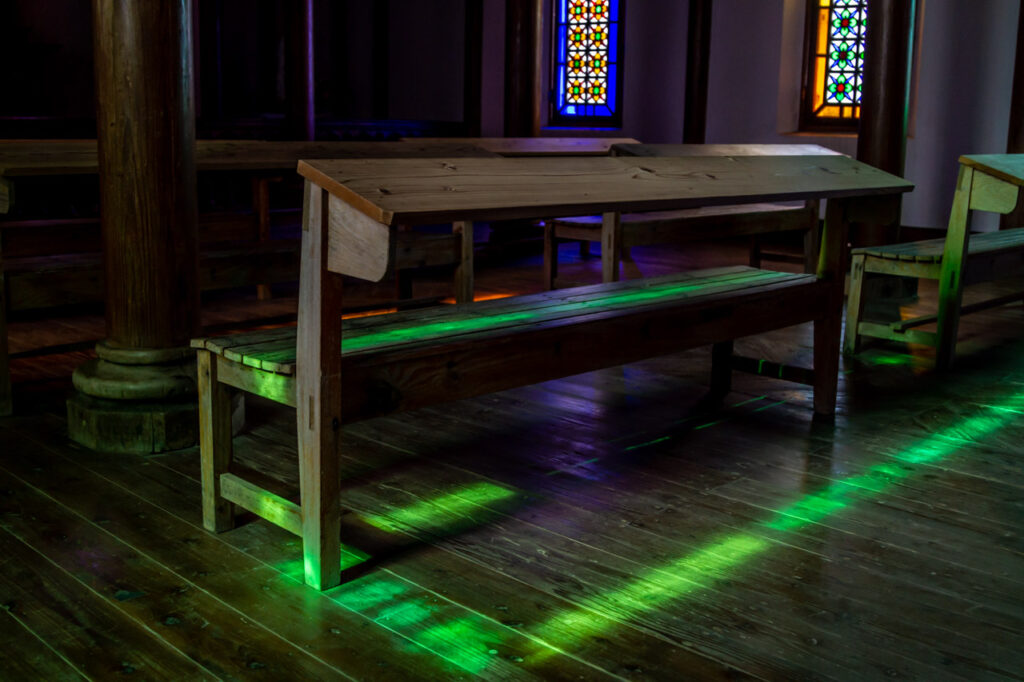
[587,66]
[838,59]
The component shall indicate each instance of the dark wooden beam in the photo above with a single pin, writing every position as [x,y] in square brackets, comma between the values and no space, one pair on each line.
[299,83]
[698,52]
[882,131]
[472,69]
[523,21]
[1015,135]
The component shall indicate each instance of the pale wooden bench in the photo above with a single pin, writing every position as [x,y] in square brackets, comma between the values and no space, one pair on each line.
[988,182]
[691,225]
[336,372]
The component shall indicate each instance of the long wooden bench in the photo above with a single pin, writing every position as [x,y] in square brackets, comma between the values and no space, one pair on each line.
[334,373]
[707,223]
[986,183]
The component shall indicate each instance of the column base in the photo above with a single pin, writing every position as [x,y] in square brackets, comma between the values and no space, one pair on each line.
[135,400]
[134,426]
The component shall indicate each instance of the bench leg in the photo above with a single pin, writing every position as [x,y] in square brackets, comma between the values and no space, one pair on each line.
[214,443]
[261,205]
[854,305]
[464,270]
[954,256]
[318,397]
[611,246]
[550,255]
[721,369]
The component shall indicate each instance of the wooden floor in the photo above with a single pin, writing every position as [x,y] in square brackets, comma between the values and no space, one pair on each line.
[605,526]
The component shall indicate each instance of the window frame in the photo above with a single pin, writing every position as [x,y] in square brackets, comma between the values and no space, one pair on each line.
[557,119]
[808,120]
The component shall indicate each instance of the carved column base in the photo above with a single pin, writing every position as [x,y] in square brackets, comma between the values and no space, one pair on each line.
[135,400]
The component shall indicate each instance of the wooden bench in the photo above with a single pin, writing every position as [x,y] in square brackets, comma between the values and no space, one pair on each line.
[334,373]
[988,182]
[692,225]
[47,263]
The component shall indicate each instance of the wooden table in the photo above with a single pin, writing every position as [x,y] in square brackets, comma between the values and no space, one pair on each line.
[351,211]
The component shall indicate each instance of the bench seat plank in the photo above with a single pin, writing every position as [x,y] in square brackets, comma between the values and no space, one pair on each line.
[274,350]
[930,250]
[403,361]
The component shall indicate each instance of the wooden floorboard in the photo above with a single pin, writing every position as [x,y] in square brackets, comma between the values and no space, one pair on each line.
[606,526]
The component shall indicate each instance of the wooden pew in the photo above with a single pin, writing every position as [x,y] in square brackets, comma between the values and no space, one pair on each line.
[46,263]
[986,182]
[334,372]
[690,225]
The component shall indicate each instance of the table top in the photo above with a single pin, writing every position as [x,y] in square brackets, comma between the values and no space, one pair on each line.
[1008,167]
[540,146]
[79,157]
[440,190]
[722,150]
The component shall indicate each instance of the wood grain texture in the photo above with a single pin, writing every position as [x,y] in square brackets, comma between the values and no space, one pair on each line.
[1007,167]
[214,441]
[318,394]
[146,125]
[79,626]
[415,191]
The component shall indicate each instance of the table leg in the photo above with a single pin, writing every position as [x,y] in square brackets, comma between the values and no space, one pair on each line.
[828,328]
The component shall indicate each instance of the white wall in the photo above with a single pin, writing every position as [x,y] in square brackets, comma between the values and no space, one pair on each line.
[963,80]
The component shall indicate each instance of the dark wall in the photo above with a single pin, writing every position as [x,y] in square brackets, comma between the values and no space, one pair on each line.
[46,49]
[240,57]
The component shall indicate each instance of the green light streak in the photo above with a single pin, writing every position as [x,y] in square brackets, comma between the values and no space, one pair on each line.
[437,512]
[674,580]
[478,323]
[648,443]
[401,607]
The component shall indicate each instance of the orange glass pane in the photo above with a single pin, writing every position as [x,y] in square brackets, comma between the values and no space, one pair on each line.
[819,83]
[822,31]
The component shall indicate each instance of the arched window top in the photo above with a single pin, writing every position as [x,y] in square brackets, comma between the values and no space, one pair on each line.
[587,78]
[836,31]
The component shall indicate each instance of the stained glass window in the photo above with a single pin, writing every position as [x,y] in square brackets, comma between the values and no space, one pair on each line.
[588,51]
[835,65]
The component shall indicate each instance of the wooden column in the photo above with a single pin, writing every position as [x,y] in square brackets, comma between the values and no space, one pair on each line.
[698,51]
[139,395]
[523,21]
[299,85]
[1015,136]
[882,132]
